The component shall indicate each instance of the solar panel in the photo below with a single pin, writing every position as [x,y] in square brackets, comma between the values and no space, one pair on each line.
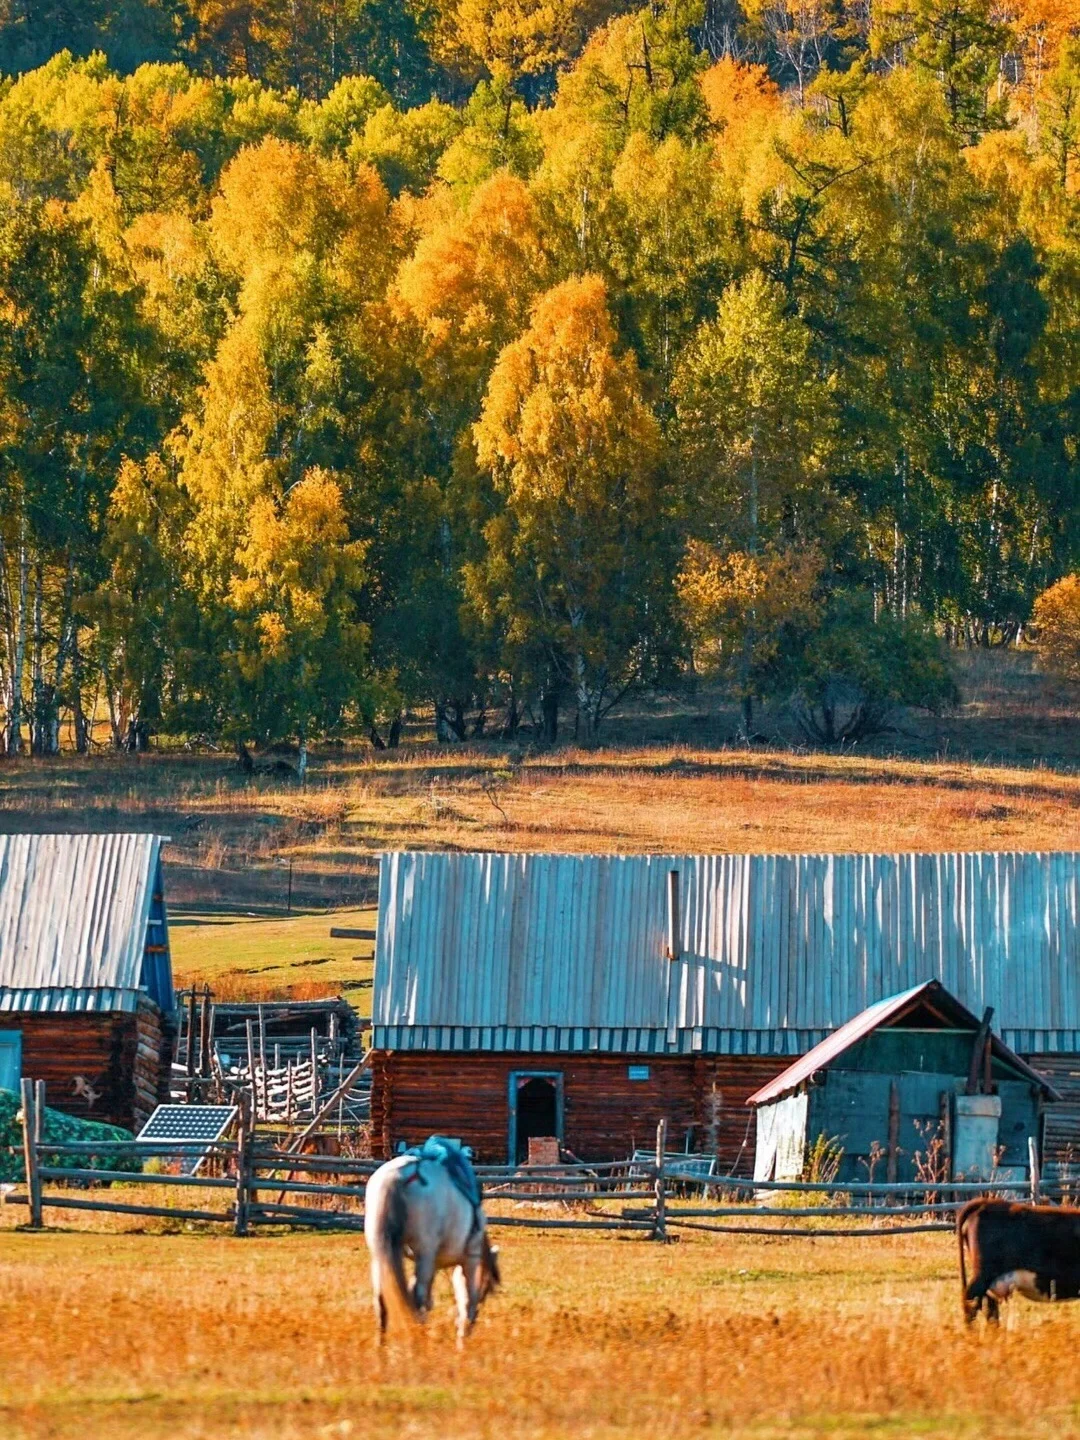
[187,1124]
[676,1166]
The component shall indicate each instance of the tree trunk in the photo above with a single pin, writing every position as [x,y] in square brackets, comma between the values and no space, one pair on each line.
[79,721]
[393,740]
[549,713]
[117,711]
[64,648]
[18,666]
[39,703]
[513,719]
[746,659]
[586,717]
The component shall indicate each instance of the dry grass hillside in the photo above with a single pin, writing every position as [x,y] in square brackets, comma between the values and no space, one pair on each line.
[255,862]
[662,782]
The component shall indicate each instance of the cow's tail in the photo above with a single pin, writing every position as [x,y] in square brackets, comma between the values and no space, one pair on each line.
[385,1234]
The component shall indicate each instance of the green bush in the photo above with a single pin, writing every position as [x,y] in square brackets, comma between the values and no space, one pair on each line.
[846,676]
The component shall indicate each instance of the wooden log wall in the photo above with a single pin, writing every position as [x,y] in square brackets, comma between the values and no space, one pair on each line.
[124,1057]
[1061,1136]
[416,1094]
[155,1037]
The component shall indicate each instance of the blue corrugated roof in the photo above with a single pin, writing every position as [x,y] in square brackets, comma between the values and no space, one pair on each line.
[76,915]
[481,950]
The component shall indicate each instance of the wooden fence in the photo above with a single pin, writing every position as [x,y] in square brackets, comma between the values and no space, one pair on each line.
[256,1180]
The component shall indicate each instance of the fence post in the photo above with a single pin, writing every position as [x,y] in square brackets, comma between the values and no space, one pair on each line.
[893,1151]
[251,1062]
[1033,1167]
[243,1164]
[206,1039]
[660,1219]
[31,1134]
[189,1047]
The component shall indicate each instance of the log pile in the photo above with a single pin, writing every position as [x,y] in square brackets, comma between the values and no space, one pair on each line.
[286,1057]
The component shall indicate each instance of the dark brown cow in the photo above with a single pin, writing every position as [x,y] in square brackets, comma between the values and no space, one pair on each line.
[1013,1249]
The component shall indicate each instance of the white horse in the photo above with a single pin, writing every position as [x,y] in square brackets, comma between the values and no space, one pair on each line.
[413,1207]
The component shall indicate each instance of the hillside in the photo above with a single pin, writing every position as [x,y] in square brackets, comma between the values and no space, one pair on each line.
[975,784]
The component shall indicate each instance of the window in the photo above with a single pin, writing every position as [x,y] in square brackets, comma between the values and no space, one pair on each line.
[10,1059]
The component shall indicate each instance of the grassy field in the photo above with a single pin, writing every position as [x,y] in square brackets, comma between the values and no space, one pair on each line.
[196,1335]
[230,837]
[258,958]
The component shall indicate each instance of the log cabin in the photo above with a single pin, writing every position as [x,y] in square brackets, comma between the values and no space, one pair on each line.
[86,993]
[587,996]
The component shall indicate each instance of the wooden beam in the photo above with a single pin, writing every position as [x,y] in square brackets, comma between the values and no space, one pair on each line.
[31,1135]
[328,1105]
[978,1051]
[893,1152]
[341,932]
[324,1110]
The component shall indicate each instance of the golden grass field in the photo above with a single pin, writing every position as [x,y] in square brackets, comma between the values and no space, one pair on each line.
[136,1336]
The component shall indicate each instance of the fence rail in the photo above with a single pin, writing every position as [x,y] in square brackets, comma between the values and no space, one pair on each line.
[265,1183]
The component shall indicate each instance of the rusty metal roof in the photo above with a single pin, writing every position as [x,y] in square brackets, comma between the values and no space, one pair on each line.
[930,995]
[75,911]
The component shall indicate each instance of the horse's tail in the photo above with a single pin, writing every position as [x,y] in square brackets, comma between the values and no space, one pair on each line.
[384,1229]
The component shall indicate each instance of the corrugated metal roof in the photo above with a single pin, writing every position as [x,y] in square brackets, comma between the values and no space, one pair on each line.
[572,947]
[74,911]
[886,1012]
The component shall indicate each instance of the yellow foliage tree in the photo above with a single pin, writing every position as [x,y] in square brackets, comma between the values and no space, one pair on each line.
[299,649]
[512,38]
[574,555]
[1056,618]
[286,216]
[735,604]
[469,283]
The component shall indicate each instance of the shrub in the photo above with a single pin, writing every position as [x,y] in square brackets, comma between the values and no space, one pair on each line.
[846,676]
[1057,628]
[59,1128]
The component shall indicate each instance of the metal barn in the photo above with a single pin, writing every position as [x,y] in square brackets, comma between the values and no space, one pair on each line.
[913,1082]
[86,994]
[596,993]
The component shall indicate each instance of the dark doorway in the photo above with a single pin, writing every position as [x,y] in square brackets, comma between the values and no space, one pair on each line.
[536,1111]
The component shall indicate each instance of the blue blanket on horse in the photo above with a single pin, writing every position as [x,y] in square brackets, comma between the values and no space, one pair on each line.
[457,1160]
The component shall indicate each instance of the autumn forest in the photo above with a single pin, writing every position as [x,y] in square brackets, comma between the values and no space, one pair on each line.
[507,358]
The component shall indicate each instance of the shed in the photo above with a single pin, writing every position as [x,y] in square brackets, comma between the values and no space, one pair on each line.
[86,993]
[592,994]
[913,1083]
